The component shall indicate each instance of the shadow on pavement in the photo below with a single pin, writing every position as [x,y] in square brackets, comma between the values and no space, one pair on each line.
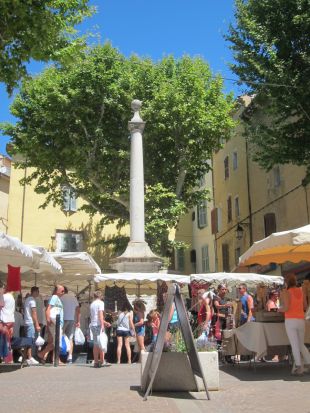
[263,372]
[173,395]
[9,368]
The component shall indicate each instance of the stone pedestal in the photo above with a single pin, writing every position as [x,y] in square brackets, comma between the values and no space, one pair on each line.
[174,372]
[138,257]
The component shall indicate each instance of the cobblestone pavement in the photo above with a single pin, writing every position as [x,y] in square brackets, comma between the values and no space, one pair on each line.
[82,389]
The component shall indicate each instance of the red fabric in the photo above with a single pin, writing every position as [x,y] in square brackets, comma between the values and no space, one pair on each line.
[13,280]
[217,329]
[202,314]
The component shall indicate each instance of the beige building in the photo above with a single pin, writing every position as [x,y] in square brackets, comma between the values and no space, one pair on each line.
[251,203]
[231,196]
[202,255]
[55,228]
[5,172]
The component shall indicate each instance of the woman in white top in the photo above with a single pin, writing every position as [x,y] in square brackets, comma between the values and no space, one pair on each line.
[124,328]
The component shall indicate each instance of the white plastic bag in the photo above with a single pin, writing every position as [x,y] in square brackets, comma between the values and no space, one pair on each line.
[64,345]
[202,341]
[79,338]
[307,316]
[103,341]
[39,341]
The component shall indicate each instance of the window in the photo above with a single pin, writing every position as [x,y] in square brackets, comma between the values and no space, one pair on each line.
[69,241]
[226,167]
[237,255]
[270,224]
[202,214]
[205,258]
[180,259]
[229,212]
[276,176]
[237,208]
[69,199]
[235,160]
[225,257]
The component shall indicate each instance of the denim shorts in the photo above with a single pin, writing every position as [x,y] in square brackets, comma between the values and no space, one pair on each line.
[96,330]
[123,333]
[140,331]
[30,331]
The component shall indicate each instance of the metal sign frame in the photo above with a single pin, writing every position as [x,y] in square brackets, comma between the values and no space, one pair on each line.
[153,360]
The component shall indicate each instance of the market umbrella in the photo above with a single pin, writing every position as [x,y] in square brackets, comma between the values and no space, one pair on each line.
[14,252]
[143,285]
[148,280]
[279,247]
[233,279]
[78,269]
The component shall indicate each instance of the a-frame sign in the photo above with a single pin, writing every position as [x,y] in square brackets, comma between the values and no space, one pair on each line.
[153,360]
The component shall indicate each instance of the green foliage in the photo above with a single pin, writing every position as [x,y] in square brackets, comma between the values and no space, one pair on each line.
[39,30]
[73,128]
[271,47]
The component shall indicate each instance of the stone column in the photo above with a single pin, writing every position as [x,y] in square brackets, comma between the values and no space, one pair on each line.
[138,256]
[136,127]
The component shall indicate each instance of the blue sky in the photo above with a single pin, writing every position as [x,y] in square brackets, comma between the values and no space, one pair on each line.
[155,28]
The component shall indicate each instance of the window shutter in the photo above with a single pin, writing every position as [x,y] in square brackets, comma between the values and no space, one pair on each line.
[270,224]
[214,221]
[72,201]
[226,167]
[193,256]
[225,257]
[237,208]
[66,198]
[229,214]
[205,258]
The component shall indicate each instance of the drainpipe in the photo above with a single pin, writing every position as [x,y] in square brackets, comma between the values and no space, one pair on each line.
[215,240]
[248,189]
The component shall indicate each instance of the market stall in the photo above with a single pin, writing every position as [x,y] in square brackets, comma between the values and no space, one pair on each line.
[127,287]
[259,339]
[254,338]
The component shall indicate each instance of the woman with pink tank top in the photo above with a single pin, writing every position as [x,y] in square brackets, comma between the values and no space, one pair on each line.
[294,306]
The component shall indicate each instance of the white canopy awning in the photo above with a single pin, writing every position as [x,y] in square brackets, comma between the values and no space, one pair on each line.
[47,264]
[233,279]
[14,252]
[79,264]
[148,279]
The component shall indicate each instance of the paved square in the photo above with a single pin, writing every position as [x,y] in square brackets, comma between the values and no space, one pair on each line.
[81,389]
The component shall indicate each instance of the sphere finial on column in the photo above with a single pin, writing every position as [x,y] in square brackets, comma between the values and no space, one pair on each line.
[136,122]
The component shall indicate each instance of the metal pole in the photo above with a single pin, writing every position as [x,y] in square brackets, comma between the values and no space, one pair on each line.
[57,339]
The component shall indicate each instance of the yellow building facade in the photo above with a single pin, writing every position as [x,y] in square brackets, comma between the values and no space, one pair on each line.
[251,203]
[231,196]
[55,228]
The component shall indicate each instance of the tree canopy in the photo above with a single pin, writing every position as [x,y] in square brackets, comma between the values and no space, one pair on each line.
[37,29]
[73,128]
[270,41]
